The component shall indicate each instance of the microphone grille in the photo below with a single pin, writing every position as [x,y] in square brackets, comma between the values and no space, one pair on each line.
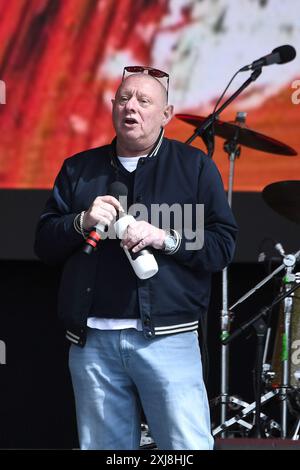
[286,53]
[118,189]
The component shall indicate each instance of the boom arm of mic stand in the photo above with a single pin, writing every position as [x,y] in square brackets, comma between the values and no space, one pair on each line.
[210,119]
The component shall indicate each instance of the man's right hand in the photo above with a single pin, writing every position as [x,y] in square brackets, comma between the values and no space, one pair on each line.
[103,209]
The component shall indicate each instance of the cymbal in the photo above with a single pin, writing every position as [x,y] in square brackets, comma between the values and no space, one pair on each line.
[246,137]
[284,198]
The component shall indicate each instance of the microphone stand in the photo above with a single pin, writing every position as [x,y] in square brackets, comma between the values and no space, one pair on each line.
[258,322]
[204,129]
[211,117]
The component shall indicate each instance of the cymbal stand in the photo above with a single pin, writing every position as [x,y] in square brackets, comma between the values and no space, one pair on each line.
[233,150]
[289,262]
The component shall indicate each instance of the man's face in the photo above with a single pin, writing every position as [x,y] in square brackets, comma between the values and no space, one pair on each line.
[140,111]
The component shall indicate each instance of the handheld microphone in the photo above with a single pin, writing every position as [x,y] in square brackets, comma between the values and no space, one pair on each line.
[144,263]
[116,189]
[280,55]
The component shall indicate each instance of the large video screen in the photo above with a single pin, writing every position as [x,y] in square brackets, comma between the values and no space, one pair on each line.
[62,60]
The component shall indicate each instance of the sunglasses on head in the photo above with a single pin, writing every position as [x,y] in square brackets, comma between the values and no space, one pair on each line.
[156,73]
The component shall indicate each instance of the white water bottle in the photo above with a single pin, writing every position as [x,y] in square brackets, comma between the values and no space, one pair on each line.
[144,264]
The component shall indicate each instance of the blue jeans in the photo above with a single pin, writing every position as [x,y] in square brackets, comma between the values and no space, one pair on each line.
[119,370]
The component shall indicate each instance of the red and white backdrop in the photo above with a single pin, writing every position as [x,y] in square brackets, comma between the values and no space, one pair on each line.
[61,61]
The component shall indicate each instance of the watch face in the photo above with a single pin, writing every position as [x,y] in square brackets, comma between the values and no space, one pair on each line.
[170,243]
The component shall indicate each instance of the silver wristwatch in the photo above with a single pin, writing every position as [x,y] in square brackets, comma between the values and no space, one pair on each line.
[170,243]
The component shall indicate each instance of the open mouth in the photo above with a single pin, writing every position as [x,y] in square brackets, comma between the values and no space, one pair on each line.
[130,121]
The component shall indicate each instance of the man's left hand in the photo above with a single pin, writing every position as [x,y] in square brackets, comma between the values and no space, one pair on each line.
[140,234]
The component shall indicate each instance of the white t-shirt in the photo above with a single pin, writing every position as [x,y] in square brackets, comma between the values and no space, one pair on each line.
[130,163]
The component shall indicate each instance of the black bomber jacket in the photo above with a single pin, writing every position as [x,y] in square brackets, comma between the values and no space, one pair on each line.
[173,300]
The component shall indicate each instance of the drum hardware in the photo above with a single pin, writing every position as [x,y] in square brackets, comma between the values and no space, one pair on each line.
[248,408]
[297,376]
[235,133]
[272,428]
[251,139]
[287,350]
[259,324]
[261,330]
[296,431]
[269,425]
[267,374]
[236,403]
[286,262]
[284,198]
[286,344]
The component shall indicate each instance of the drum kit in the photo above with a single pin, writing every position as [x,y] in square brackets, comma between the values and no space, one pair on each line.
[280,378]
